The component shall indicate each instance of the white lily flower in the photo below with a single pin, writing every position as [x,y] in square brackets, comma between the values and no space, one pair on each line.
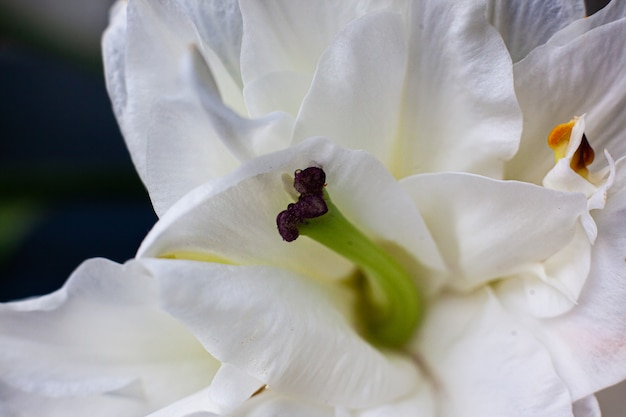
[355,73]
[493,288]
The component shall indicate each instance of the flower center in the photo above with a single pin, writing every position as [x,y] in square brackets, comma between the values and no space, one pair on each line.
[559,139]
[389,304]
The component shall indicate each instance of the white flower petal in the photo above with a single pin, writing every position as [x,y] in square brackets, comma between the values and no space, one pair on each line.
[488,229]
[356,93]
[587,407]
[524,25]
[588,344]
[231,387]
[114,57]
[244,138]
[197,404]
[219,25]
[422,401]
[146,36]
[282,329]
[101,335]
[14,402]
[270,404]
[554,286]
[290,35]
[556,83]
[485,364]
[613,11]
[276,91]
[461,113]
[207,221]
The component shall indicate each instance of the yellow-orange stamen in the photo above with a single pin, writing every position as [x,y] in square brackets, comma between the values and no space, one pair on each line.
[559,139]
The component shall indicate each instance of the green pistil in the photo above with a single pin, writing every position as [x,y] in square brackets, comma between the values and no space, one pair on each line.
[390,305]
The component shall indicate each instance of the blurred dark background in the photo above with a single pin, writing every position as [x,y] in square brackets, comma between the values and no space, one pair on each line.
[68,190]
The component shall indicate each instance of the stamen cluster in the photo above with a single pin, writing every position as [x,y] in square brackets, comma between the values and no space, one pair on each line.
[310,184]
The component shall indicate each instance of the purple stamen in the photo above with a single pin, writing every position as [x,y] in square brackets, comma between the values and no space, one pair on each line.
[310,184]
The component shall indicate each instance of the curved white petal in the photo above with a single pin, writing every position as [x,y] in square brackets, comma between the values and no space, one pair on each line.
[486,364]
[526,24]
[207,222]
[556,83]
[101,336]
[270,404]
[587,407]
[276,91]
[290,35]
[220,27]
[172,144]
[613,11]
[421,402]
[282,329]
[244,138]
[554,286]
[487,229]
[358,85]
[460,111]
[230,387]
[588,344]
[15,402]
[197,404]
[114,57]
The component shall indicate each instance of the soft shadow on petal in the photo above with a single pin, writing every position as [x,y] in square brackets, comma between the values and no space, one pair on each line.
[588,407]
[270,404]
[197,404]
[358,85]
[161,118]
[460,111]
[219,25]
[524,25]
[486,364]
[613,11]
[290,35]
[420,402]
[103,337]
[556,83]
[15,402]
[244,138]
[487,229]
[283,329]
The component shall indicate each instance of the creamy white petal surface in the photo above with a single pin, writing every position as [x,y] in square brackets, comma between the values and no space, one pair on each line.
[172,143]
[483,347]
[460,111]
[100,343]
[524,25]
[489,229]
[363,75]
[588,343]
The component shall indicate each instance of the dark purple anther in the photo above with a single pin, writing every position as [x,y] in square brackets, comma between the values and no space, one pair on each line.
[287,225]
[310,184]
[310,181]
